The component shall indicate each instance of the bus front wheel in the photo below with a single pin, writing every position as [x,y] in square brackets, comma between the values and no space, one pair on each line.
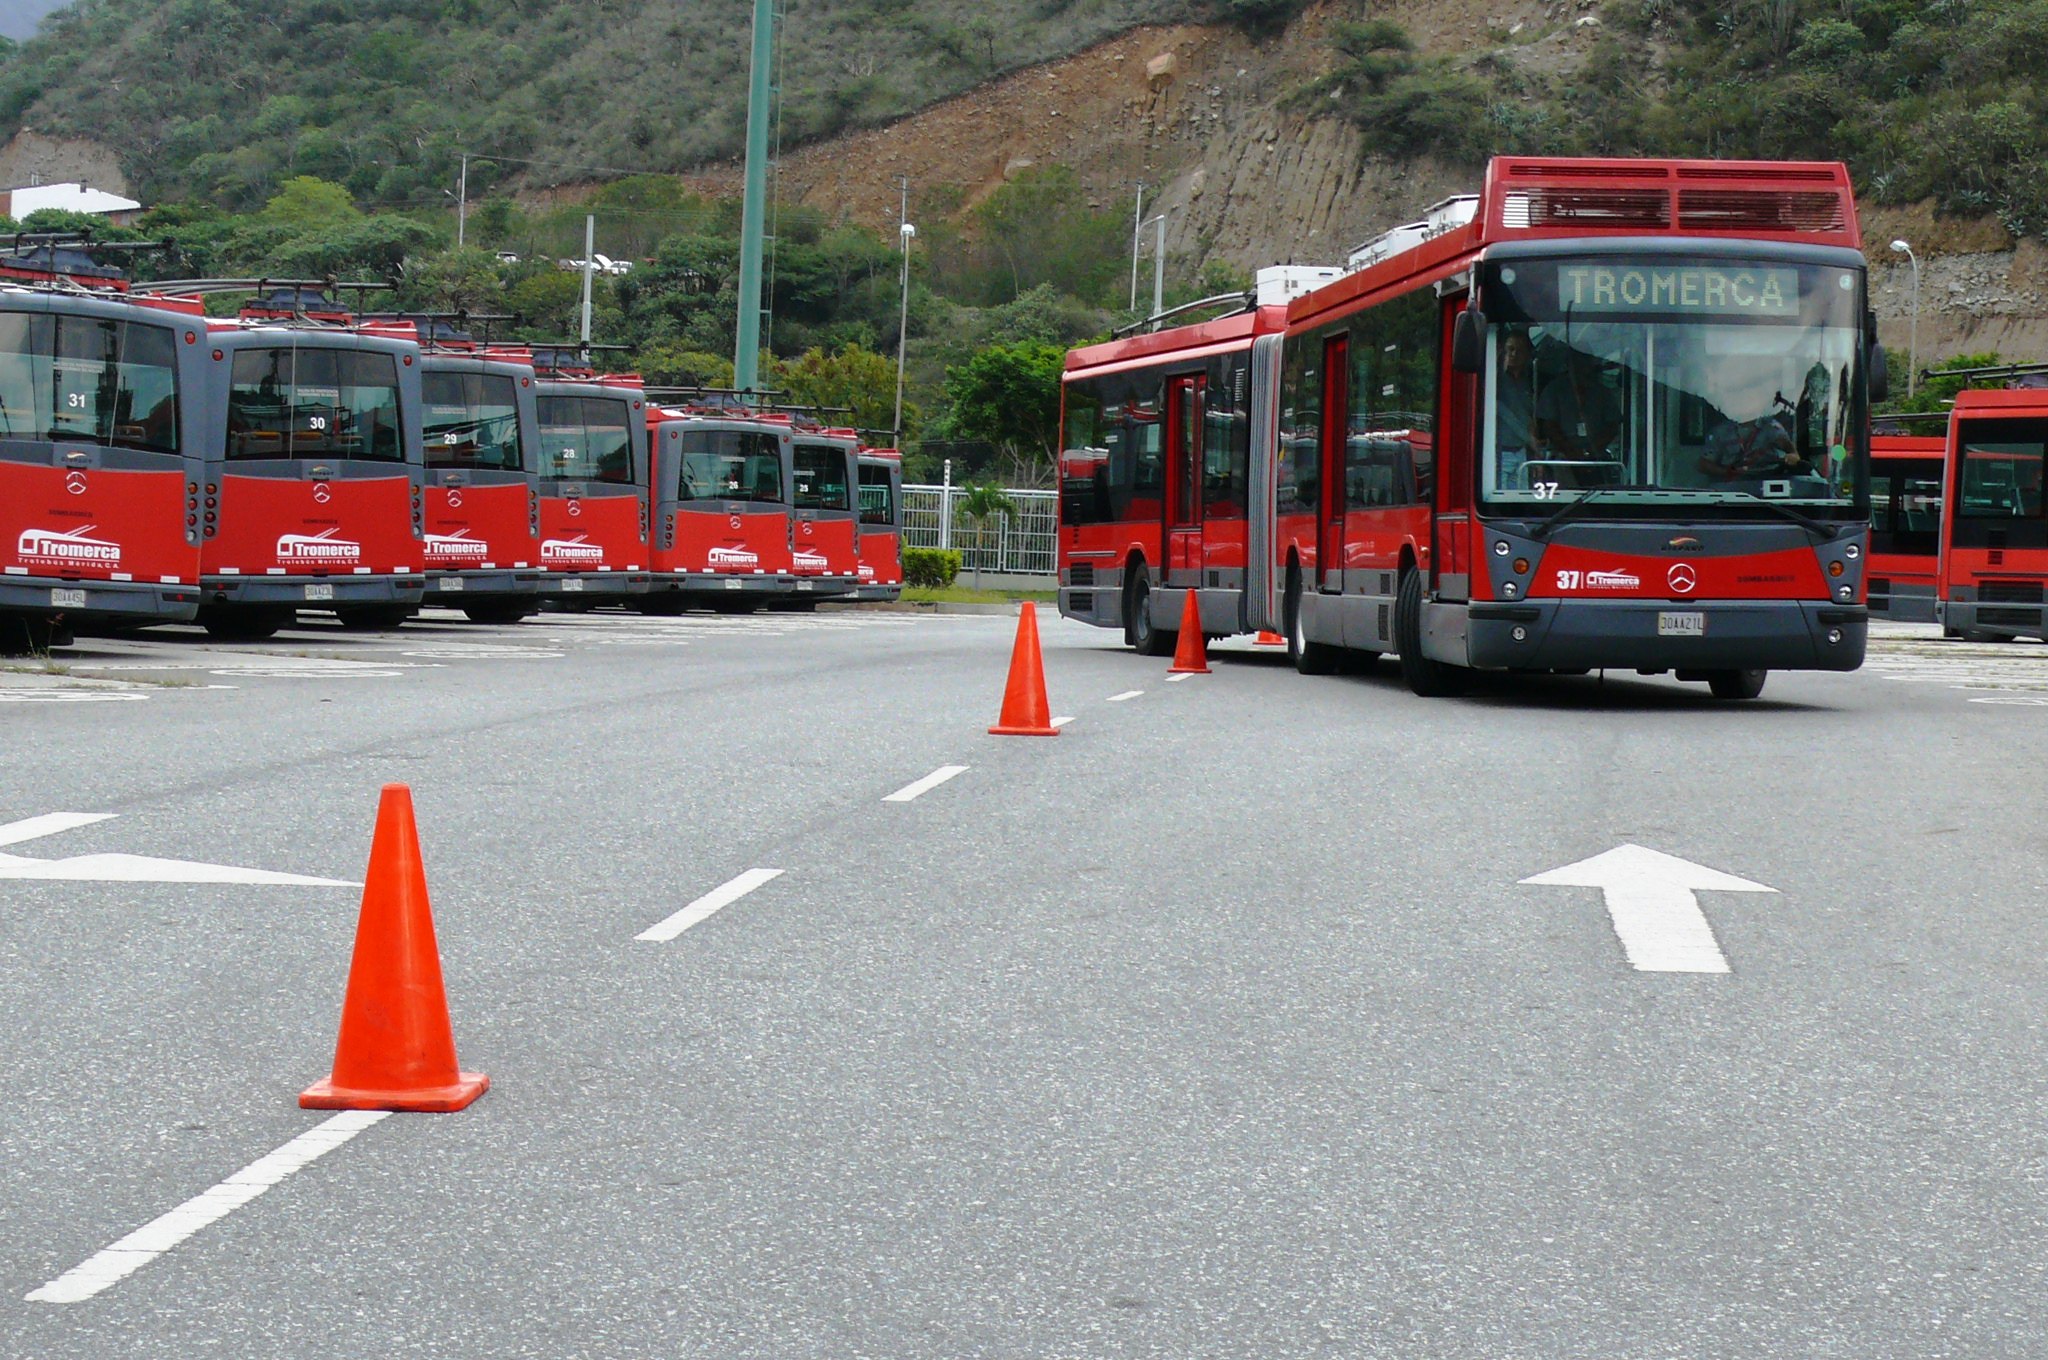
[1430,679]
[1736,684]
[1146,639]
[1309,658]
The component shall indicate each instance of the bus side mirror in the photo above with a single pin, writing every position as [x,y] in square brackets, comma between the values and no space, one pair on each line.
[1880,373]
[1468,341]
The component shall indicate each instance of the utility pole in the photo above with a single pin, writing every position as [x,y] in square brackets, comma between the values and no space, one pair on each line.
[1159,268]
[746,360]
[906,231]
[589,263]
[1137,236]
[462,203]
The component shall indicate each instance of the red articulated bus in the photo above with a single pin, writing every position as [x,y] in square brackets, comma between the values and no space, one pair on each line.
[724,535]
[103,408]
[1905,518]
[593,483]
[881,525]
[315,478]
[1994,536]
[1604,414]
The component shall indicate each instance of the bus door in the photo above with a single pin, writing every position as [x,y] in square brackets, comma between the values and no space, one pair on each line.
[1335,437]
[1184,476]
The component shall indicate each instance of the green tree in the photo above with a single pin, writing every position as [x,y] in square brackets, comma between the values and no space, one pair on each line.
[672,364]
[982,503]
[457,281]
[1009,396]
[305,203]
[852,377]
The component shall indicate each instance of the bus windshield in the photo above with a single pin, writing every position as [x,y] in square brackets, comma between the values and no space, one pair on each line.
[472,421]
[87,380]
[732,465]
[1664,380]
[292,402]
[820,480]
[1999,478]
[586,439]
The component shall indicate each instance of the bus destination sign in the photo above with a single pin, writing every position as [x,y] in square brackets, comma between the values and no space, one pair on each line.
[1733,290]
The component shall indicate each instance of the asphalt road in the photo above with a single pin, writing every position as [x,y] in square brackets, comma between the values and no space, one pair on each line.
[1221,1025]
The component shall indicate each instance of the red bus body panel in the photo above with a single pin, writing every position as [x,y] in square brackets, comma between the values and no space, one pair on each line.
[590,533]
[64,525]
[479,527]
[1997,588]
[274,526]
[1901,580]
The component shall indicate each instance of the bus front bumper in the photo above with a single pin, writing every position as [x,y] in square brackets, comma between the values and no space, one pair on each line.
[1999,618]
[1647,635]
[133,601]
[316,592]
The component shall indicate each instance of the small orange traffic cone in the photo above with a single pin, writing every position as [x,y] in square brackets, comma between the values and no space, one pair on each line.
[1025,711]
[396,1051]
[1191,657]
[1268,638]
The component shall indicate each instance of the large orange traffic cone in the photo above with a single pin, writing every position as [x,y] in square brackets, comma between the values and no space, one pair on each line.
[1191,657]
[396,1050]
[1025,711]
[1268,638]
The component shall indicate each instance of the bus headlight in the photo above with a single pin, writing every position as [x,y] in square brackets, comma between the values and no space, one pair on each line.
[1500,548]
[1846,592]
[1834,635]
[1507,588]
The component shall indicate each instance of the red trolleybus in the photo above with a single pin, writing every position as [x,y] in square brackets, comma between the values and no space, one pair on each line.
[724,531]
[824,546]
[1994,536]
[314,479]
[1905,518]
[881,525]
[1155,478]
[483,443]
[593,486]
[102,404]
[1605,414]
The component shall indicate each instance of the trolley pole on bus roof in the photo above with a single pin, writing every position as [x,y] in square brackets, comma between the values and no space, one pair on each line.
[746,359]
[589,263]
[462,203]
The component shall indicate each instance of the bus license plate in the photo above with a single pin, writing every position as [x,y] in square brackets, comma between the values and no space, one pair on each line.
[319,592]
[67,599]
[731,583]
[803,585]
[572,584]
[1674,624]
[451,583]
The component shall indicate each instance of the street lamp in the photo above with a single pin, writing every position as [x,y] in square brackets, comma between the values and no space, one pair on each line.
[1913,344]
[907,232]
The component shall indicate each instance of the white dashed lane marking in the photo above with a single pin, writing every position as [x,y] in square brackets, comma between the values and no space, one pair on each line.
[708,905]
[926,784]
[1127,694]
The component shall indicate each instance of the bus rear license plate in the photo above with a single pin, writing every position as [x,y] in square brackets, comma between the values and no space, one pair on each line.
[67,599]
[572,584]
[732,583]
[452,583]
[1671,624]
[803,585]
[319,592]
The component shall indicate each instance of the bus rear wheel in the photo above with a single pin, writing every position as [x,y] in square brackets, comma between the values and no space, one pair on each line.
[1430,679]
[664,606]
[1146,639]
[1736,684]
[1309,658]
[244,625]
[498,611]
[374,618]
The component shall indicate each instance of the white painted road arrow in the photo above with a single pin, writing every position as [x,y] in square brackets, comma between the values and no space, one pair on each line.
[1650,899]
[118,868]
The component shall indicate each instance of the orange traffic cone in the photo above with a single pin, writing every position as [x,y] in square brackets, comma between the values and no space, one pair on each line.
[1025,711]
[396,1050]
[1191,657]
[1268,638]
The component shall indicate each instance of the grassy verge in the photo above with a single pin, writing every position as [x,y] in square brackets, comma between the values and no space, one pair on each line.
[957,594]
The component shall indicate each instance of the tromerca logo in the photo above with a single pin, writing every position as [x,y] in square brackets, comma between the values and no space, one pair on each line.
[67,548]
[571,550]
[458,546]
[732,557]
[324,546]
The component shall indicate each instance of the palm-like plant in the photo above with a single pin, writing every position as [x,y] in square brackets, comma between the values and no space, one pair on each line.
[981,504]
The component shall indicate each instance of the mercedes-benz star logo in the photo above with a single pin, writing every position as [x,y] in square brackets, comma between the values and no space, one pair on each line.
[321,495]
[455,500]
[1682,578]
[74,482]
[575,507]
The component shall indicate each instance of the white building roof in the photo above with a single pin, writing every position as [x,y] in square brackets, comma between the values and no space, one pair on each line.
[73,196]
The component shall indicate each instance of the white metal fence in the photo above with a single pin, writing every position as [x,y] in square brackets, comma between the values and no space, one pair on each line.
[1026,542]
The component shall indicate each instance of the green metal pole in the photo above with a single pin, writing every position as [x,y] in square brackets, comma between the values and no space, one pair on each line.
[746,360]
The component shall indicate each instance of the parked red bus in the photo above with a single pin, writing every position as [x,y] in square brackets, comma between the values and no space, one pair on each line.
[1994,537]
[482,431]
[1604,414]
[592,485]
[824,545]
[1905,520]
[725,533]
[104,402]
[314,483]
[881,525]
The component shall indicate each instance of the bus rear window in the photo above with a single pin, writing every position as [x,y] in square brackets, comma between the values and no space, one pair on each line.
[586,439]
[820,478]
[877,497]
[308,402]
[731,465]
[89,381]
[472,421]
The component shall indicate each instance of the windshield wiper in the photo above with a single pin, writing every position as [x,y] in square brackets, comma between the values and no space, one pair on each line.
[1825,530]
[1542,531]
